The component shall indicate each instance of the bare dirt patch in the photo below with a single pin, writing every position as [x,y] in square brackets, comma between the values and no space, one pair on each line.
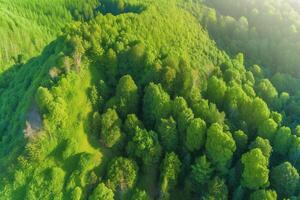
[33,122]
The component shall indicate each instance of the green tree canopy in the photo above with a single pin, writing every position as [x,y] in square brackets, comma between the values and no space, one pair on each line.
[140,195]
[76,194]
[282,140]
[182,114]
[241,140]
[168,134]
[110,128]
[294,150]
[47,184]
[255,162]
[220,147]
[170,170]
[131,124]
[201,170]
[216,89]
[297,130]
[156,104]
[110,65]
[122,174]
[127,96]
[101,192]
[277,117]
[208,112]
[263,145]
[285,179]
[195,134]
[263,195]
[216,189]
[168,78]
[44,98]
[145,146]
[266,91]
[267,129]
[255,112]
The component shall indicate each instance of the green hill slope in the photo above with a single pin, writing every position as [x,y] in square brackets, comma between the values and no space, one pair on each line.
[139,103]
[27,26]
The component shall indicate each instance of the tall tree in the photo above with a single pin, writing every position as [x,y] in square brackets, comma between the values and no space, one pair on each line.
[195,134]
[170,170]
[101,192]
[127,96]
[220,147]
[131,124]
[263,145]
[216,189]
[122,174]
[202,170]
[140,195]
[168,134]
[110,128]
[216,89]
[285,179]
[182,113]
[145,146]
[268,129]
[156,104]
[282,140]
[263,194]
[267,91]
[254,112]
[241,140]
[255,162]
[110,65]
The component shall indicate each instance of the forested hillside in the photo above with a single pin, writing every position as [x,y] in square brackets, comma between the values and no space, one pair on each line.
[26,26]
[266,32]
[153,99]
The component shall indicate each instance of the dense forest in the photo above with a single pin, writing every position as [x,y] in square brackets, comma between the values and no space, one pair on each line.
[155,99]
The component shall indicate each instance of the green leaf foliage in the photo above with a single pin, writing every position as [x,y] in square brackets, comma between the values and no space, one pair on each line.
[101,192]
[285,179]
[110,132]
[145,146]
[263,194]
[195,134]
[122,174]
[255,162]
[201,170]
[220,147]
[168,134]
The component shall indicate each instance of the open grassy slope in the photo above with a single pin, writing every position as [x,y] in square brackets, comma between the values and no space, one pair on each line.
[27,26]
